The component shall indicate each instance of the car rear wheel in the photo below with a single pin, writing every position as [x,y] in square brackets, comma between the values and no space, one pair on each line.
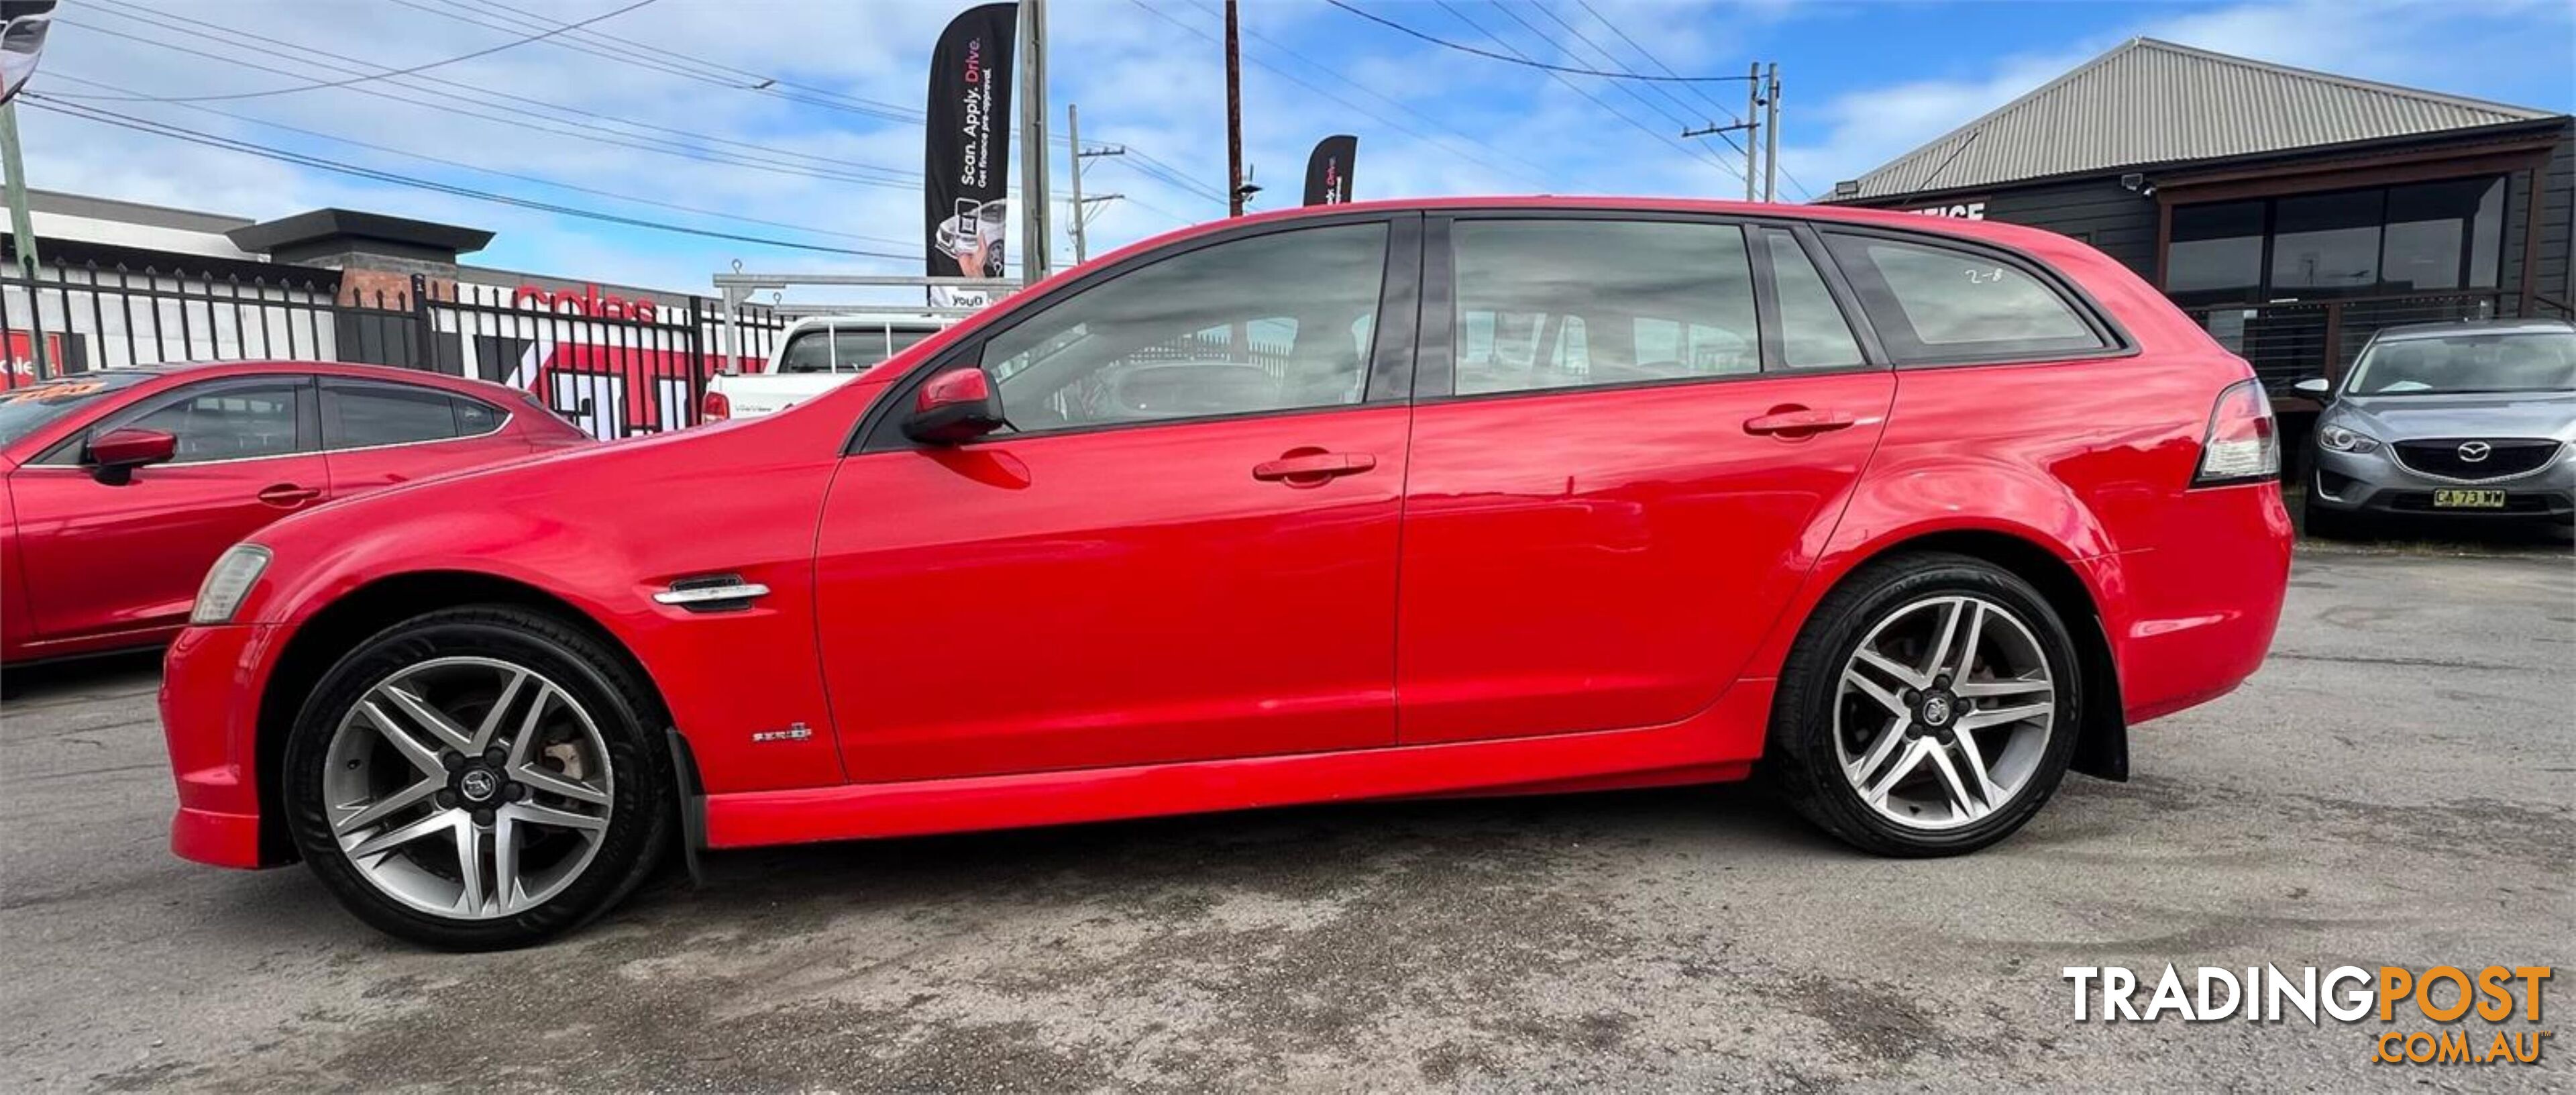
[478,778]
[1928,708]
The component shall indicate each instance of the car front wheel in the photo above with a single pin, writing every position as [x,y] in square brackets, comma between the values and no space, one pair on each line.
[478,778]
[1928,708]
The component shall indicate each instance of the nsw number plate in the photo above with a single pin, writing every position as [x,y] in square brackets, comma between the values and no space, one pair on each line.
[2468,499]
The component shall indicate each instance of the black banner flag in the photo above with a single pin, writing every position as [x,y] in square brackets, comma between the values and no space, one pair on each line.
[969,150]
[1328,170]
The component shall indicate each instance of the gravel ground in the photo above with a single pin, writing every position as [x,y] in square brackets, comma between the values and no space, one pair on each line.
[2392,788]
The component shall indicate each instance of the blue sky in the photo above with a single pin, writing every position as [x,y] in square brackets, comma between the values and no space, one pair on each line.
[1864,83]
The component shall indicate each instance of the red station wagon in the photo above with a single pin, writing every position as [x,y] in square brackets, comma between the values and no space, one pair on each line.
[1385,500]
[119,487]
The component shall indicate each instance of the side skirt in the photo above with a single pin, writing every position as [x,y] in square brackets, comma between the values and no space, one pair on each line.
[1720,743]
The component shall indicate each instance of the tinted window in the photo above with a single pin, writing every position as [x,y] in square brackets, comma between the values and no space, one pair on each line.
[1933,303]
[230,423]
[475,417]
[2324,244]
[2217,252]
[1272,322]
[1813,333]
[24,409]
[1572,303]
[388,415]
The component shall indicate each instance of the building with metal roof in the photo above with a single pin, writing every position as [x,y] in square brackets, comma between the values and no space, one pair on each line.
[2293,212]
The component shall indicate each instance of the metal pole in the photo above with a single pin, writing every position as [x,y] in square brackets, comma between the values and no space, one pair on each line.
[1752,121]
[22,230]
[1073,137]
[1034,195]
[1771,136]
[1233,116]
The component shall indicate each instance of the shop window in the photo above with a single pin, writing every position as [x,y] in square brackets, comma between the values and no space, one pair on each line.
[2217,253]
[2420,237]
[2327,244]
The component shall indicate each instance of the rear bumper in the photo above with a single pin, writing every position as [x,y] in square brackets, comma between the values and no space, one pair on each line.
[2195,615]
[210,716]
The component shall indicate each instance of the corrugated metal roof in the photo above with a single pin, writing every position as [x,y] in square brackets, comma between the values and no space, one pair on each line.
[2152,102]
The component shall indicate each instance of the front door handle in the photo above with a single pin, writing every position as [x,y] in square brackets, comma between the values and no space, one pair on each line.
[288,495]
[1796,422]
[1312,469]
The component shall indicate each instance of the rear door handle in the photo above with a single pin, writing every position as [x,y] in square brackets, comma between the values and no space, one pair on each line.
[1798,423]
[289,495]
[1312,469]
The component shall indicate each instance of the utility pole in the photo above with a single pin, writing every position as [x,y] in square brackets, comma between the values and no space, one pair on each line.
[1073,141]
[1233,116]
[1752,120]
[1034,195]
[1080,227]
[1771,136]
[23,233]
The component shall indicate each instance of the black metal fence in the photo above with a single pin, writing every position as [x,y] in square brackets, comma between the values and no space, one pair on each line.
[636,368]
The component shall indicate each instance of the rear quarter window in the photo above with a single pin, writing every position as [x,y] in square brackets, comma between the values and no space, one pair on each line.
[1941,305]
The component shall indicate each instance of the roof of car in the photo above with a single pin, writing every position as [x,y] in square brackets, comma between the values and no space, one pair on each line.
[2475,326]
[392,373]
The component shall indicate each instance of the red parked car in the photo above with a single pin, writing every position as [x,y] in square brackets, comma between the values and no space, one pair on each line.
[123,485]
[1377,501]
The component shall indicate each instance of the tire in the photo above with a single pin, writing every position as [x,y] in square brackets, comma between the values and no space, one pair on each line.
[583,801]
[1821,728]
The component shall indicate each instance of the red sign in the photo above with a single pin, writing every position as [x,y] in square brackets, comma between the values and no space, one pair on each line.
[22,358]
[589,302]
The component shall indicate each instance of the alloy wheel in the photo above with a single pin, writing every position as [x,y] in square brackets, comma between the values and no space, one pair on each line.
[1944,712]
[468,787]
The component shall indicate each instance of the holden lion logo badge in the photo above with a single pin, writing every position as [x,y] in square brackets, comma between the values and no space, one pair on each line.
[478,785]
[2472,452]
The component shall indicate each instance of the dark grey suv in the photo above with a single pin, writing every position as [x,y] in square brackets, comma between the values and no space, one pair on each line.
[2468,419]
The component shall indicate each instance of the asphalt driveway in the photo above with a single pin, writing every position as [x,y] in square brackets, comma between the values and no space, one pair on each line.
[2393,788]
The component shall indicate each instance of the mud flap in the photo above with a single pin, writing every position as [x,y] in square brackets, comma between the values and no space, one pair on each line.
[692,801]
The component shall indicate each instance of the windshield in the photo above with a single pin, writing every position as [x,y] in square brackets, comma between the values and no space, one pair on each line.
[22,410]
[2515,361]
[845,350]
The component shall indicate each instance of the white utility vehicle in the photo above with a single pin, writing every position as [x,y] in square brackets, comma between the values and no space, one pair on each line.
[816,355]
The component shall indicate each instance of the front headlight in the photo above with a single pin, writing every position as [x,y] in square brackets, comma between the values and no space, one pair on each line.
[2339,439]
[231,577]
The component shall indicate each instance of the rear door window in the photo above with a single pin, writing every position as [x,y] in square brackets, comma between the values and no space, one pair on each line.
[357,416]
[1939,305]
[1577,303]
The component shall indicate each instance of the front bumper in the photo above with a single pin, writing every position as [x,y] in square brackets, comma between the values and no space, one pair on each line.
[210,716]
[2374,483]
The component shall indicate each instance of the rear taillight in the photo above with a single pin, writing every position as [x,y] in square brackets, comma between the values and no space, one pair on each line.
[2242,445]
[715,407]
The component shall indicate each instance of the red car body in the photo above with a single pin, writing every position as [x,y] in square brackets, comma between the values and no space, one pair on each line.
[1568,589]
[92,567]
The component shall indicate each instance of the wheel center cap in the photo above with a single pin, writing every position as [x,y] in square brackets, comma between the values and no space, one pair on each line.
[478,785]
[1936,710]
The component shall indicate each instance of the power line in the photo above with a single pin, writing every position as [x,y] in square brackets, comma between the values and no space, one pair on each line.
[890,177]
[49,102]
[478,168]
[1677,119]
[513,44]
[1526,61]
[293,50]
[1539,178]
[1701,152]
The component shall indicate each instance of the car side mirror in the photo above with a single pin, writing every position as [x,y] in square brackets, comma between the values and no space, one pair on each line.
[2316,385]
[955,407]
[113,456]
